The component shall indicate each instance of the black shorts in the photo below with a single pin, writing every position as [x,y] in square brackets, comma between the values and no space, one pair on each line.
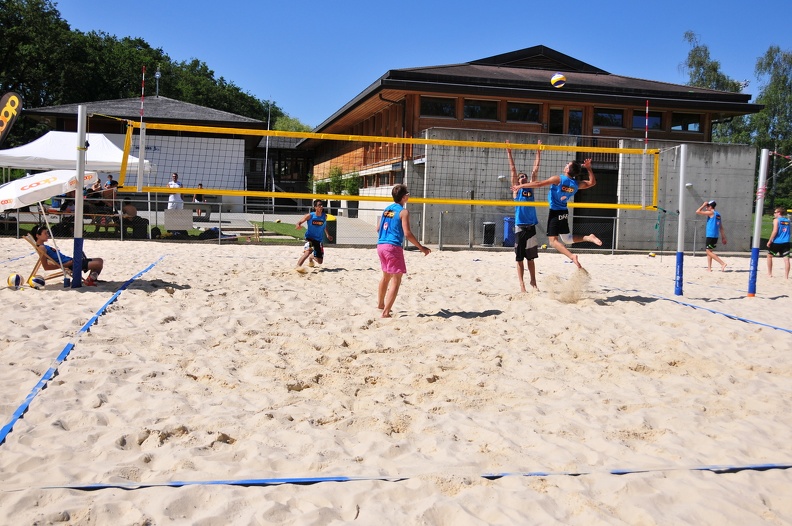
[526,246]
[779,250]
[558,223]
[712,242]
[318,248]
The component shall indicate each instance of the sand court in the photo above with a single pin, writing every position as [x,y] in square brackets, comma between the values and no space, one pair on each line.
[223,368]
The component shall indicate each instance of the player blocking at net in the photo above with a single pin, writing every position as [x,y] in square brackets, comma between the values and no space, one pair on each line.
[563,188]
[526,246]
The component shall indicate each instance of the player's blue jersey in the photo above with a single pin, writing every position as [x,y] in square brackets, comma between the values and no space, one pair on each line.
[782,236]
[391,232]
[316,226]
[713,225]
[560,194]
[525,215]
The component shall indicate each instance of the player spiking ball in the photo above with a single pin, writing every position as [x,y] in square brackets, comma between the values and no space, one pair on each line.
[563,188]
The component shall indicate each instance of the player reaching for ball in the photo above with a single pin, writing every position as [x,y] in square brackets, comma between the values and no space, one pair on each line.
[314,234]
[562,188]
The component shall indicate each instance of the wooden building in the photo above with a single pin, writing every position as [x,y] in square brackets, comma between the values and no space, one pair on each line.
[512,92]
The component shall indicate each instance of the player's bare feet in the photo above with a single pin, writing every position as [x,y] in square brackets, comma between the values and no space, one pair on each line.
[723,267]
[385,314]
[591,238]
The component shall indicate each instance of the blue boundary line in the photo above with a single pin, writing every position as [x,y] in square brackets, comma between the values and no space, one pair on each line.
[717,469]
[16,258]
[713,311]
[50,373]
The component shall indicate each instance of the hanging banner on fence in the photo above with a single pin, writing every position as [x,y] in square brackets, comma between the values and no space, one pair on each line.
[10,105]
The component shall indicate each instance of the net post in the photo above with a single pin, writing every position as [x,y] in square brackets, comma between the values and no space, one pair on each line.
[680,255]
[757,232]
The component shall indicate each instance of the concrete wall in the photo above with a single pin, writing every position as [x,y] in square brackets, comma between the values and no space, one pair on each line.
[724,173]
[721,172]
[442,177]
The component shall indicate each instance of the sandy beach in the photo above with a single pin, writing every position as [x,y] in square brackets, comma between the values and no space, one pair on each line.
[222,368]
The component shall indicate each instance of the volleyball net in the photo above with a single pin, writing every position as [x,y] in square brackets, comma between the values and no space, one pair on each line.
[440,168]
[459,180]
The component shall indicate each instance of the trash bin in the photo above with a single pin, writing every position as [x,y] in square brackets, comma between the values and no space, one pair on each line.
[489,234]
[332,228]
[508,231]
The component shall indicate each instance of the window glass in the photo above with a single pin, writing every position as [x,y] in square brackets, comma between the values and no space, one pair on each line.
[655,120]
[609,117]
[575,122]
[523,112]
[556,120]
[481,109]
[690,122]
[438,107]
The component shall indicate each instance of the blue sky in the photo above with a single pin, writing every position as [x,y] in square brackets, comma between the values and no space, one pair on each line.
[311,58]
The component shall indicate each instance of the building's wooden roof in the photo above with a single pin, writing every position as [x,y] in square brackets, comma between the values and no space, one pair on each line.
[525,74]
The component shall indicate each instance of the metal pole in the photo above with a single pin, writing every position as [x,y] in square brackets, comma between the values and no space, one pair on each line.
[471,229]
[82,125]
[757,233]
[680,256]
[440,233]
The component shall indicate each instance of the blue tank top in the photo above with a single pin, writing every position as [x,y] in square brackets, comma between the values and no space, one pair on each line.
[713,225]
[560,194]
[525,215]
[782,236]
[53,254]
[390,232]
[315,228]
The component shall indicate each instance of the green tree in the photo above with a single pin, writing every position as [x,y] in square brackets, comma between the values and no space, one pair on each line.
[773,125]
[705,72]
[33,42]
[289,123]
[48,64]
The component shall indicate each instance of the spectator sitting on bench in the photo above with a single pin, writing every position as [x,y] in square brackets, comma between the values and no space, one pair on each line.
[139,224]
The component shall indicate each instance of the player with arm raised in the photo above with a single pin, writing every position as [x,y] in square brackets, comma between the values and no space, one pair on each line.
[562,188]
[526,245]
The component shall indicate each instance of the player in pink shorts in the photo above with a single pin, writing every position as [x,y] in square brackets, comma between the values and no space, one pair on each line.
[393,227]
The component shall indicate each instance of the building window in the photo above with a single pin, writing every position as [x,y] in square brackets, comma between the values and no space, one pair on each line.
[523,112]
[689,122]
[655,120]
[609,117]
[438,107]
[481,109]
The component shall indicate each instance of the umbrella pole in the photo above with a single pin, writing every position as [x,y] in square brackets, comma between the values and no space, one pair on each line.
[66,282]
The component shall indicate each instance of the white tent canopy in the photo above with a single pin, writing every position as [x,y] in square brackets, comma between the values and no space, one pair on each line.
[58,151]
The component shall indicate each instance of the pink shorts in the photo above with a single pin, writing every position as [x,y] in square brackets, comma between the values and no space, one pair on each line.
[391,259]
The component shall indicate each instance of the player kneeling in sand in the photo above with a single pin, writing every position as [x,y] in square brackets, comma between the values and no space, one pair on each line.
[562,188]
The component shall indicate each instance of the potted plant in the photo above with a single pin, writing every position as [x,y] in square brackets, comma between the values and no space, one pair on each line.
[336,185]
[352,187]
